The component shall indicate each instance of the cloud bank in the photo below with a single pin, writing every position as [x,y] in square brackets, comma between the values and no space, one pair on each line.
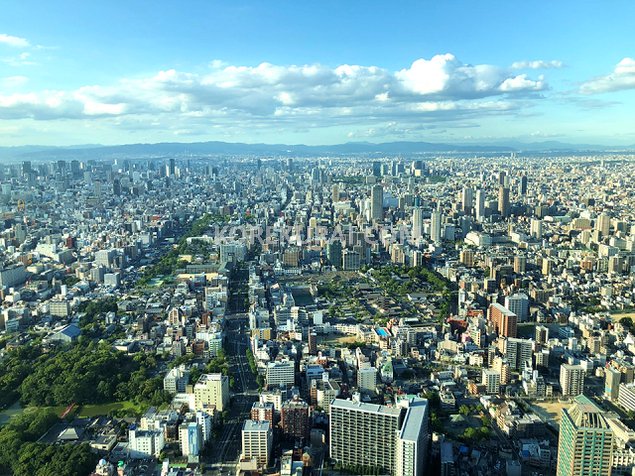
[441,88]
[622,78]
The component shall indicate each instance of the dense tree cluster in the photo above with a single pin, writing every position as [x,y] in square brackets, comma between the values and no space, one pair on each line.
[20,455]
[91,373]
[16,366]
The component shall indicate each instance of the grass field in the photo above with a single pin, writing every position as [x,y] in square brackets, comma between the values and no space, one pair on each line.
[621,315]
[87,411]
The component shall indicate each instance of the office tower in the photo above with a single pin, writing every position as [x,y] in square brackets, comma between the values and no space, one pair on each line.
[335,193]
[417,222]
[518,304]
[294,418]
[503,201]
[257,441]
[542,334]
[491,379]
[502,175]
[171,170]
[535,228]
[612,378]
[571,380]
[190,438]
[334,253]
[518,351]
[290,164]
[280,373]
[480,205]
[388,439]
[377,169]
[212,390]
[367,379]
[26,168]
[116,187]
[467,258]
[412,440]
[522,186]
[503,319]
[435,227]
[467,198]
[603,224]
[377,202]
[585,443]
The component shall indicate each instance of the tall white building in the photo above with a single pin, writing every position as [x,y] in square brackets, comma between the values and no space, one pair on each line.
[417,222]
[367,379]
[412,440]
[389,439]
[518,304]
[257,441]
[535,228]
[480,205]
[280,373]
[571,380]
[145,443]
[492,381]
[435,226]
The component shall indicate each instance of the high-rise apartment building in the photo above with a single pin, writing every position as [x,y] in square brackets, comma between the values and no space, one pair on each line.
[435,226]
[389,439]
[417,222]
[503,319]
[571,380]
[504,206]
[585,443]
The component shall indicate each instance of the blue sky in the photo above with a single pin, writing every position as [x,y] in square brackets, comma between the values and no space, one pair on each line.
[75,72]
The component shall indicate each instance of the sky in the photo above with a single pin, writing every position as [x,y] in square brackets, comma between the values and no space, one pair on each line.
[317,72]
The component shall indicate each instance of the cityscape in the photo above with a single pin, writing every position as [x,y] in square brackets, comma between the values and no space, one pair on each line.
[304,266]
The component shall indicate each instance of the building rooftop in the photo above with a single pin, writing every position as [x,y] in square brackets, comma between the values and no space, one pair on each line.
[255,425]
[586,414]
[366,407]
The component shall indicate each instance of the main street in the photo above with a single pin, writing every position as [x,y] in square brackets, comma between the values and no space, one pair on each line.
[226,449]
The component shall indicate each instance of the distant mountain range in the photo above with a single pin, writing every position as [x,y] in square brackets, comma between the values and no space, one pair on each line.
[230,148]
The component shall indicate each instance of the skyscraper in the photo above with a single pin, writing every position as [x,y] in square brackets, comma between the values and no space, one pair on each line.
[391,439]
[503,201]
[480,205]
[417,222]
[467,197]
[522,186]
[585,443]
[377,202]
[435,227]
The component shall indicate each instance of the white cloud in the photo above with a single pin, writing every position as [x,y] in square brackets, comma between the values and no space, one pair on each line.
[295,96]
[14,41]
[622,77]
[537,64]
[13,81]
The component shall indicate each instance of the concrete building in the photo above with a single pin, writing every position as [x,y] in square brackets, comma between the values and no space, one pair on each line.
[585,443]
[363,434]
[294,418]
[491,379]
[503,320]
[145,443]
[377,203]
[257,441]
[212,390]
[176,380]
[280,373]
[367,379]
[571,380]
[518,304]
[412,439]
[190,439]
